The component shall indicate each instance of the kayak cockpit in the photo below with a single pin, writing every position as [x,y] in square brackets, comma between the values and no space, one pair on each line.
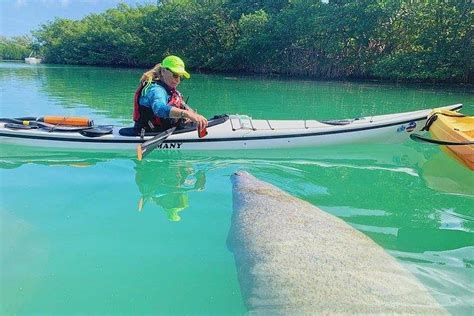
[216,120]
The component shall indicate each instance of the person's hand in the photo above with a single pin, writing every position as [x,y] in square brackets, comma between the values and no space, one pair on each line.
[200,120]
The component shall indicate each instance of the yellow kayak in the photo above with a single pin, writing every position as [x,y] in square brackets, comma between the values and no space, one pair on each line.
[455,132]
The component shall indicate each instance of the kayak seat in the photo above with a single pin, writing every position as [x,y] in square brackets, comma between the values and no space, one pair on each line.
[216,120]
[97,131]
[130,131]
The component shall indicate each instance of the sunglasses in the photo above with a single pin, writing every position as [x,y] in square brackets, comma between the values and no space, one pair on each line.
[175,75]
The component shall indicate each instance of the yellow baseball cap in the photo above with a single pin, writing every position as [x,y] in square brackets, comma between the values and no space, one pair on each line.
[176,65]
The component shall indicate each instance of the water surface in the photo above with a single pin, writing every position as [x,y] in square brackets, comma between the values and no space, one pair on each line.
[104,233]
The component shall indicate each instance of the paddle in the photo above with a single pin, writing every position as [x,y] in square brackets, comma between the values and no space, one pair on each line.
[51,120]
[419,138]
[147,147]
[89,131]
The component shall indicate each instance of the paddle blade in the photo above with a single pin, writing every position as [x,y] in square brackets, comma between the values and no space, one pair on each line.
[139,152]
[146,147]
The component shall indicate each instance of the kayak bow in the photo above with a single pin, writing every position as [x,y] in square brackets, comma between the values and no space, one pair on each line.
[454,132]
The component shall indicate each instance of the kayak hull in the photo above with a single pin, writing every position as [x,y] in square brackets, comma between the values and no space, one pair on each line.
[449,127]
[239,133]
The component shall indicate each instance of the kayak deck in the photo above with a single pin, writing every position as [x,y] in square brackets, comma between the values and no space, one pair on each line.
[238,132]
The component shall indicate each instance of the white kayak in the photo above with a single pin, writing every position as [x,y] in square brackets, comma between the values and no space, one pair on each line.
[225,132]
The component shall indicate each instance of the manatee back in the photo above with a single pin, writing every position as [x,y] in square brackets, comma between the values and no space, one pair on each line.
[293,257]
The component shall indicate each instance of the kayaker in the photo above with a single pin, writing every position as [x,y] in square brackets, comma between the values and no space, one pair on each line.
[157,103]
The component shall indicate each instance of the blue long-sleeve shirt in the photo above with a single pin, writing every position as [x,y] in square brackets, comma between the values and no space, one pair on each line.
[156,98]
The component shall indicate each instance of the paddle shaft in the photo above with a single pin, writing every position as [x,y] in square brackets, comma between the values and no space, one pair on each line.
[89,131]
[147,147]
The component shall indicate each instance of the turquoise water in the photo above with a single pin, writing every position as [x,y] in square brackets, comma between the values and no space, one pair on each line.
[106,234]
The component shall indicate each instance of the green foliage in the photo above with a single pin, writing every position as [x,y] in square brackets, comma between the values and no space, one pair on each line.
[16,48]
[254,28]
[98,39]
[408,40]
[237,8]
[429,40]
[203,34]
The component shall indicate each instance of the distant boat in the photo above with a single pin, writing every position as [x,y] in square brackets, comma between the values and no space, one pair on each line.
[32,60]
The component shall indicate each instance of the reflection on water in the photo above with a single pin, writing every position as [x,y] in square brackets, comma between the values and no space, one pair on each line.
[378,191]
[352,182]
[444,174]
[167,183]
[107,94]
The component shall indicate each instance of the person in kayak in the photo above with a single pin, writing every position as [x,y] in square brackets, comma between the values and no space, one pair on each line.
[157,104]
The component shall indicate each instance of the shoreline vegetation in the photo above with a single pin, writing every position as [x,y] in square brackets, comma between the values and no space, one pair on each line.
[405,41]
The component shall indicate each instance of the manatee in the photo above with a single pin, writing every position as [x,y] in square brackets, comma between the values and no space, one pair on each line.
[24,254]
[293,258]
